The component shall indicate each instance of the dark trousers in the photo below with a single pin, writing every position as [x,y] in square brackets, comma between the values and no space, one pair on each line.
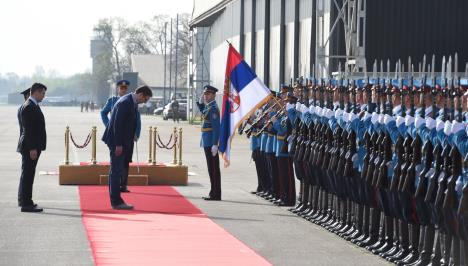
[175,115]
[273,171]
[212,163]
[265,175]
[28,170]
[117,170]
[257,160]
[288,187]
[124,178]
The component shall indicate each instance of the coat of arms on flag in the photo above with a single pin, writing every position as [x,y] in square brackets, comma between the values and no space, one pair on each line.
[243,94]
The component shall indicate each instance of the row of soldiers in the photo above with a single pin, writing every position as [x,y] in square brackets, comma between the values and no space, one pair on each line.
[380,164]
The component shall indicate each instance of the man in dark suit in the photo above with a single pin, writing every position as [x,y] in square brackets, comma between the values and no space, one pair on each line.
[31,143]
[26,93]
[119,136]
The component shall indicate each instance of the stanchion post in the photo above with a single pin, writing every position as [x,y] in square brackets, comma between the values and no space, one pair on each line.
[67,145]
[150,154]
[153,155]
[93,150]
[180,146]
[175,146]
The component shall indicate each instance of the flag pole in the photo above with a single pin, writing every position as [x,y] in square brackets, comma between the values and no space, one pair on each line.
[228,42]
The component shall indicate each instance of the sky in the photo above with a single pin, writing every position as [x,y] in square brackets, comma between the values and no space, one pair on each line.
[55,34]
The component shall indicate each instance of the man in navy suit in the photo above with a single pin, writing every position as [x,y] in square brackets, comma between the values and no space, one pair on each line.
[107,109]
[31,143]
[119,136]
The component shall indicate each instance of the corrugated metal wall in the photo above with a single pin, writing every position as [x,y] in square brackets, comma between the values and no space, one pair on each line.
[306,37]
[289,40]
[275,19]
[400,28]
[226,27]
[260,35]
[247,30]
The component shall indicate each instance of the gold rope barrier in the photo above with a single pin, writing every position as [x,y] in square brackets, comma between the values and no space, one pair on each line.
[175,147]
[153,143]
[93,150]
[150,154]
[180,146]
[67,145]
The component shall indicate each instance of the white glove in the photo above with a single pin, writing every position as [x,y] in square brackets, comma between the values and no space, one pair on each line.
[298,106]
[374,118]
[457,126]
[409,120]
[352,117]
[388,119]
[200,101]
[214,150]
[430,123]
[419,122]
[439,124]
[381,119]
[338,113]
[312,109]
[447,128]
[400,120]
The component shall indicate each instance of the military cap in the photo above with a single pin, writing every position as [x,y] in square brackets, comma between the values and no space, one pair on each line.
[26,91]
[209,88]
[285,88]
[291,95]
[123,82]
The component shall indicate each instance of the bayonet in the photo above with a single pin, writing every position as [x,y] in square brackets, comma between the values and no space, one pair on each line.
[424,64]
[449,69]
[455,72]
[374,69]
[409,65]
[443,69]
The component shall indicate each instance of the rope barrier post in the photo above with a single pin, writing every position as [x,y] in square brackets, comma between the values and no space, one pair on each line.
[93,150]
[67,145]
[180,146]
[150,155]
[153,155]
[175,146]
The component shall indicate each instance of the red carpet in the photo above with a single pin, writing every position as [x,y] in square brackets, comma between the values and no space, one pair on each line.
[131,164]
[164,229]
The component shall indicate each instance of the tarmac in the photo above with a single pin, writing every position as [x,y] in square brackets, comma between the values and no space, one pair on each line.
[57,236]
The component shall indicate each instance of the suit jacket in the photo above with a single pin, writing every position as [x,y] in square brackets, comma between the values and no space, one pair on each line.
[33,132]
[108,109]
[122,124]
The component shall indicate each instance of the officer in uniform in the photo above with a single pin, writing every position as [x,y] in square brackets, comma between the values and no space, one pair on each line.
[122,86]
[210,138]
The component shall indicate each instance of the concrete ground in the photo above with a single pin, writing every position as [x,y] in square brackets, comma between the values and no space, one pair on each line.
[57,236]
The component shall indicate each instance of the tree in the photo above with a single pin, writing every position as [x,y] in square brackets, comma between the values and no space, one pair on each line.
[113,31]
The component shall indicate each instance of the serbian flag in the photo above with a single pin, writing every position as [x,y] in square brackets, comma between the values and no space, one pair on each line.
[243,94]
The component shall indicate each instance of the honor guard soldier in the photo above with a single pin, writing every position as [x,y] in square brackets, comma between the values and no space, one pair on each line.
[122,86]
[210,138]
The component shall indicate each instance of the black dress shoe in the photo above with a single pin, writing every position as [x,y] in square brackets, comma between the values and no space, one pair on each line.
[122,206]
[20,205]
[124,190]
[211,198]
[253,192]
[31,209]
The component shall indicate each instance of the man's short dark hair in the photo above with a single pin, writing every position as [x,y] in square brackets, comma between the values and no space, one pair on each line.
[145,90]
[37,86]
